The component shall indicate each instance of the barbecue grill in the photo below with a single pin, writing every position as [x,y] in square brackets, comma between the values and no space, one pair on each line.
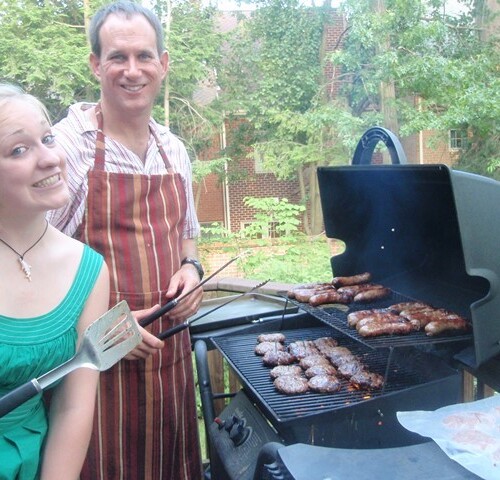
[429,234]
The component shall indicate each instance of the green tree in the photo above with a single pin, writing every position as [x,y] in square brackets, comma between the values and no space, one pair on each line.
[44,49]
[273,73]
[439,58]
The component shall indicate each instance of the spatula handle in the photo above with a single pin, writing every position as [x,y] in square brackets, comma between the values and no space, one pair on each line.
[18,396]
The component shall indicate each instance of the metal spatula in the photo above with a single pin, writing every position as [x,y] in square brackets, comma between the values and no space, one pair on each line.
[105,341]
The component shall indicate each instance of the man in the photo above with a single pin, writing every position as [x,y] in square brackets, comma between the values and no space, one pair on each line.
[132,200]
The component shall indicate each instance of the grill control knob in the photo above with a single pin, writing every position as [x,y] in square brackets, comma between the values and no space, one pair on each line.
[239,433]
[220,423]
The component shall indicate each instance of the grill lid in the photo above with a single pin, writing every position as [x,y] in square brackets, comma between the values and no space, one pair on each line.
[423,230]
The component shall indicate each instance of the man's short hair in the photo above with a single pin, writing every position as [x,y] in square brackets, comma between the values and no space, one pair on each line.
[126,9]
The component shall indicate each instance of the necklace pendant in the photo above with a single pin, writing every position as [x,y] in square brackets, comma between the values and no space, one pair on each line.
[26,268]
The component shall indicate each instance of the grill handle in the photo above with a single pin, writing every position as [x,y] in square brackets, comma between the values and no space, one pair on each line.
[366,146]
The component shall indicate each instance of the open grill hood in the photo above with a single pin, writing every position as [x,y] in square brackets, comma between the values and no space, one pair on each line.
[427,232]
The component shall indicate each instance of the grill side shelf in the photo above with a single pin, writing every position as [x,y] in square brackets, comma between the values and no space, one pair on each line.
[336,317]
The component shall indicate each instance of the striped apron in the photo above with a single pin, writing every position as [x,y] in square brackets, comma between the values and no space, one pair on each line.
[145,427]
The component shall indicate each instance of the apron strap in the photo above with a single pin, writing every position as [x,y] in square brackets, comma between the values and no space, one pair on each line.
[100,149]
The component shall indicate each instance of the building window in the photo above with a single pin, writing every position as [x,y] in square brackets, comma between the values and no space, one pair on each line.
[258,230]
[212,230]
[458,139]
[259,162]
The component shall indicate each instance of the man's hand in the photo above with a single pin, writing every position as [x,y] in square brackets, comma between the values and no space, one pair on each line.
[150,344]
[182,281]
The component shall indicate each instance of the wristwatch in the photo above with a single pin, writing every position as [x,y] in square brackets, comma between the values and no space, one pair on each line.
[196,264]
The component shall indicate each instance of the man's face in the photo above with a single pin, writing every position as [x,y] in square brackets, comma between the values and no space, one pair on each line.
[129,70]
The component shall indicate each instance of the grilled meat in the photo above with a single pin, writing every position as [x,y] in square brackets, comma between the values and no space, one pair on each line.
[352,280]
[372,295]
[325,342]
[365,380]
[447,324]
[302,348]
[398,327]
[408,306]
[324,384]
[271,337]
[320,370]
[330,296]
[355,289]
[263,347]
[291,384]
[312,360]
[349,368]
[317,287]
[340,355]
[380,317]
[275,358]
[303,294]
[281,370]
[354,317]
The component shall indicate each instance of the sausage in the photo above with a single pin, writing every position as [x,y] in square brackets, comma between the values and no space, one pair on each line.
[303,294]
[330,296]
[372,295]
[383,328]
[355,289]
[354,317]
[409,306]
[450,323]
[352,280]
[378,318]
[315,287]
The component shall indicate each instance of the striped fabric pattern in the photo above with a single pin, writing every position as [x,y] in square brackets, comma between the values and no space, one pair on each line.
[77,135]
[146,425]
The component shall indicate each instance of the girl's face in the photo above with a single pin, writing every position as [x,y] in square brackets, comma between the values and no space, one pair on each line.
[32,165]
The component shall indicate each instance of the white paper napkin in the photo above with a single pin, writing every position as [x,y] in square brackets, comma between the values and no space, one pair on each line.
[468,433]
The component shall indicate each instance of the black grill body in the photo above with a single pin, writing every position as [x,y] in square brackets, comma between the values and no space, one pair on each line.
[350,418]
[426,232]
[430,234]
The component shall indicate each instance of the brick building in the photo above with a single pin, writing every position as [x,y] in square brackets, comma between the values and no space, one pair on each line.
[223,203]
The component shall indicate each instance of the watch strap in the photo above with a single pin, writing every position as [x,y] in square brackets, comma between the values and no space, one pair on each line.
[196,264]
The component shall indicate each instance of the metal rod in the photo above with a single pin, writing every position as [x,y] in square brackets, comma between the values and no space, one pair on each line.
[171,331]
[170,305]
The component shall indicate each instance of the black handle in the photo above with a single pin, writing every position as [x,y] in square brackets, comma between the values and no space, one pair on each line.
[173,330]
[18,396]
[158,313]
[366,145]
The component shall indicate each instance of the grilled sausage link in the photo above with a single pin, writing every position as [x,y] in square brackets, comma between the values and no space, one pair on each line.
[383,328]
[355,289]
[371,295]
[330,296]
[354,317]
[451,323]
[313,287]
[352,280]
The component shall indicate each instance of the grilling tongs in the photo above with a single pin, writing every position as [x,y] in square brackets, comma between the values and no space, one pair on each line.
[178,328]
[172,303]
[105,341]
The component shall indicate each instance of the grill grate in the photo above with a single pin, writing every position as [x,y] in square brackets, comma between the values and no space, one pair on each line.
[337,318]
[238,350]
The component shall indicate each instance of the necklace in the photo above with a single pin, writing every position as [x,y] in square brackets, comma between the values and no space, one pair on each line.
[25,267]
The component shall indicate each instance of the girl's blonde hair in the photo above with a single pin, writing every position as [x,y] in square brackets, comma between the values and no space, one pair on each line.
[13,92]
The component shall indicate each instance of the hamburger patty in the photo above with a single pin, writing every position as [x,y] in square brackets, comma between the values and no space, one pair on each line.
[291,384]
[324,384]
